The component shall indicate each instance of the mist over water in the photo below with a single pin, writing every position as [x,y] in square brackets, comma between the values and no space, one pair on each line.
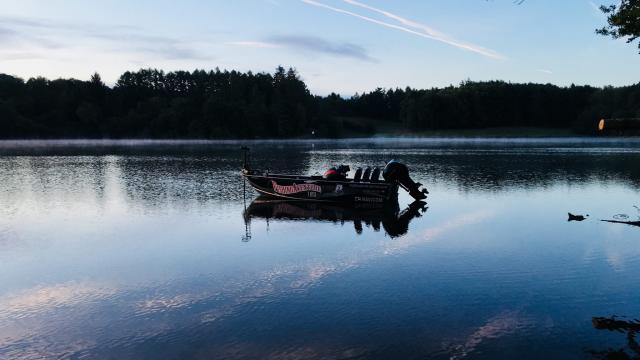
[153,249]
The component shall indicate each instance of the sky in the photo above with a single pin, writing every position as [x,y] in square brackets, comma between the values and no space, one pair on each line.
[343,46]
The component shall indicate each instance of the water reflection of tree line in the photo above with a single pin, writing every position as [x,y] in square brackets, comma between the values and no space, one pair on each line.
[199,178]
[214,178]
[204,175]
[54,180]
[498,172]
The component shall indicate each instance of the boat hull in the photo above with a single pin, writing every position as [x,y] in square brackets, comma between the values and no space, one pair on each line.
[310,188]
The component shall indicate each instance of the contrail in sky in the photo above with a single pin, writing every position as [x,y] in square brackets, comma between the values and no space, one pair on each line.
[425,31]
[400,19]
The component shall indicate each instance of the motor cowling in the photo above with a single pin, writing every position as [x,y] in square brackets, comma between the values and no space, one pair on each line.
[399,173]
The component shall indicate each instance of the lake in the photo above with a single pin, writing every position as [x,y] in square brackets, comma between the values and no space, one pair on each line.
[158,250]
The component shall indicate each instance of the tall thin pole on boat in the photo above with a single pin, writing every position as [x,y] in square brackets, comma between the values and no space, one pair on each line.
[247,221]
[245,164]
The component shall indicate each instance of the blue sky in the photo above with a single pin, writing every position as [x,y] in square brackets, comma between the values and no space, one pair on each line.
[345,46]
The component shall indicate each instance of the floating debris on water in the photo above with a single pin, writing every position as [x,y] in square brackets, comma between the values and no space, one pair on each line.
[573,217]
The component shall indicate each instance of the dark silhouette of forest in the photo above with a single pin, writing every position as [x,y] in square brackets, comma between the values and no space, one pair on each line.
[150,103]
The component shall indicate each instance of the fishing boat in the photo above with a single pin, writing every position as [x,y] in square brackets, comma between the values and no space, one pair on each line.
[334,186]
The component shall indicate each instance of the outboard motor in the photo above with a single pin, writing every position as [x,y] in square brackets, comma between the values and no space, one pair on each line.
[375,174]
[366,174]
[395,171]
[358,174]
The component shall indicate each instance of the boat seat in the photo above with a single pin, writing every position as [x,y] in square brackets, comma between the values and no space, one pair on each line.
[375,174]
[366,174]
[358,174]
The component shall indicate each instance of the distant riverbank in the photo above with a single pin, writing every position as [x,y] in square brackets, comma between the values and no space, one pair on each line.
[385,133]
[426,139]
[386,129]
[219,104]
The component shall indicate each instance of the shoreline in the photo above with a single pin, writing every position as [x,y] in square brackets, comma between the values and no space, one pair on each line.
[7,143]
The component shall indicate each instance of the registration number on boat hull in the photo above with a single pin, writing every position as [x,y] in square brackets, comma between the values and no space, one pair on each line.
[368,199]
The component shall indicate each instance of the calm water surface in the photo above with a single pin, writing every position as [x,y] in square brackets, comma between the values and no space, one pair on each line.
[152,250]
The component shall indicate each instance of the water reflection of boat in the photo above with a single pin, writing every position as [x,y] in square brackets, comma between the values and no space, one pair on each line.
[394,221]
[630,327]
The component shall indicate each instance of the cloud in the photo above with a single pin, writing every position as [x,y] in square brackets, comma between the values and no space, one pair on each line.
[254,44]
[13,38]
[500,325]
[6,34]
[17,21]
[318,45]
[544,71]
[32,301]
[421,29]
[19,55]
[48,34]
[312,45]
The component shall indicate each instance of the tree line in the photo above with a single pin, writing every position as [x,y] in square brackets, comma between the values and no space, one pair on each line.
[150,103]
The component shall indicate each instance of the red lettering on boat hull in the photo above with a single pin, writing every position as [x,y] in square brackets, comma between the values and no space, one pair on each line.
[295,188]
